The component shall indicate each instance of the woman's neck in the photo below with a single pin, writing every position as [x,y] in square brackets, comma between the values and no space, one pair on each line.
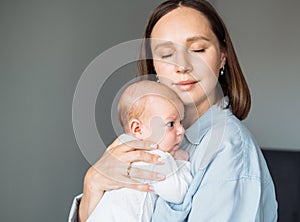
[193,112]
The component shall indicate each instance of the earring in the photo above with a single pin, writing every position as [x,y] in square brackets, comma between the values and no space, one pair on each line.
[157,79]
[222,71]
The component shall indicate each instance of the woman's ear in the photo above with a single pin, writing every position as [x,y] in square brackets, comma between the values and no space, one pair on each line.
[223,58]
[136,128]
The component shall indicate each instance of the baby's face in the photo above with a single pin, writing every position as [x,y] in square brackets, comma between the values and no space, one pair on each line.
[162,123]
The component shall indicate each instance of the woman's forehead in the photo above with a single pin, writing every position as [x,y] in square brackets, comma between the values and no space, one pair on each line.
[183,23]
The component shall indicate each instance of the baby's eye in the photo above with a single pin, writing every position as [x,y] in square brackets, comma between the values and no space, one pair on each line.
[171,124]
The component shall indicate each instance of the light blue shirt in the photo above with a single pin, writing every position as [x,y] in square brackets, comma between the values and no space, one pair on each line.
[231,179]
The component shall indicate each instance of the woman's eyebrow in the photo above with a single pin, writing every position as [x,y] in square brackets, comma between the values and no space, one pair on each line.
[197,38]
[166,43]
[189,40]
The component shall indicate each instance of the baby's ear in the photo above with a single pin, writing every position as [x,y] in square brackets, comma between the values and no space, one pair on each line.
[136,128]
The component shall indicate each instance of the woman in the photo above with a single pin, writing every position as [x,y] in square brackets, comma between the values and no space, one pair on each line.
[192,53]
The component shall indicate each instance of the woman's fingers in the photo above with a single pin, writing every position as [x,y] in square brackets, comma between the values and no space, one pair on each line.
[145,174]
[114,173]
[111,167]
[113,170]
[141,155]
[114,181]
[137,145]
[133,151]
[113,144]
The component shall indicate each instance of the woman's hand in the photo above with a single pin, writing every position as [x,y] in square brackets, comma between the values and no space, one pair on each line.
[111,171]
[180,155]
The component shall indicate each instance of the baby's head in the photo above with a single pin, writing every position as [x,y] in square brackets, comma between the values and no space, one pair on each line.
[151,111]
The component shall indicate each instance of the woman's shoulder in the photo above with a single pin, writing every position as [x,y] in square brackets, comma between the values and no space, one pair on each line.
[236,130]
[241,147]
[233,152]
[230,132]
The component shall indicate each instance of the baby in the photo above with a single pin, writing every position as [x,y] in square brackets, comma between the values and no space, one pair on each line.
[149,111]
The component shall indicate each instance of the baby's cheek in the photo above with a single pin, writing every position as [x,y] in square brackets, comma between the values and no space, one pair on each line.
[158,130]
[168,142]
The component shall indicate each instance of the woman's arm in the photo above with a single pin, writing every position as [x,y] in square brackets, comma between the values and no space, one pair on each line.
[110,173]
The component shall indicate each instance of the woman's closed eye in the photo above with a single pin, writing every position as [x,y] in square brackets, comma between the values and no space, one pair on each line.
[164,52]
[197,47]
[198,50]
[166,56]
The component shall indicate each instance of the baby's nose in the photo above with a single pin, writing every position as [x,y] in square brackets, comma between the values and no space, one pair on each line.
[180,130]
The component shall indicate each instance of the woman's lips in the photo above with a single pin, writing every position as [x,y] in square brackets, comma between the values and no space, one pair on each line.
[186,85]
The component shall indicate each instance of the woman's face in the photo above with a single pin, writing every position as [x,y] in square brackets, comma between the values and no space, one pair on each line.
[187,56]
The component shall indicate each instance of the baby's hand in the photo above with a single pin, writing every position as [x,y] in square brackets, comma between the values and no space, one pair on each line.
[181,155]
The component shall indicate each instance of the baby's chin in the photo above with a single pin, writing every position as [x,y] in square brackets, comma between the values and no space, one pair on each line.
[171,149]
[172,152]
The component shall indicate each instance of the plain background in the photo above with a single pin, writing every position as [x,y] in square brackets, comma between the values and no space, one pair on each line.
[46,45]
[266,37]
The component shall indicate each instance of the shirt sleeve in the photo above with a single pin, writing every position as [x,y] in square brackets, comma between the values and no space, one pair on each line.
[73,215]
[237,200]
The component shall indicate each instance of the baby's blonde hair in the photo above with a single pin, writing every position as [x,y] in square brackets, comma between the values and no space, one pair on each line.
[134,100]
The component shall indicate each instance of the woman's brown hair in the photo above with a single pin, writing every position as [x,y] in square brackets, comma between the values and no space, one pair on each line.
[232,82]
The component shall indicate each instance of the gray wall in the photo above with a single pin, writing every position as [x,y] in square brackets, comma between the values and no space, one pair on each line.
[266,35]
[44,48]
[46,45]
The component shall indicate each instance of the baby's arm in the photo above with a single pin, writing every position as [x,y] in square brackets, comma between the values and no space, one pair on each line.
[178,177]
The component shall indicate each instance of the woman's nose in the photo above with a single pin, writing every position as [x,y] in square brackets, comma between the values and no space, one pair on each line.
[183,63]
[183,69]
